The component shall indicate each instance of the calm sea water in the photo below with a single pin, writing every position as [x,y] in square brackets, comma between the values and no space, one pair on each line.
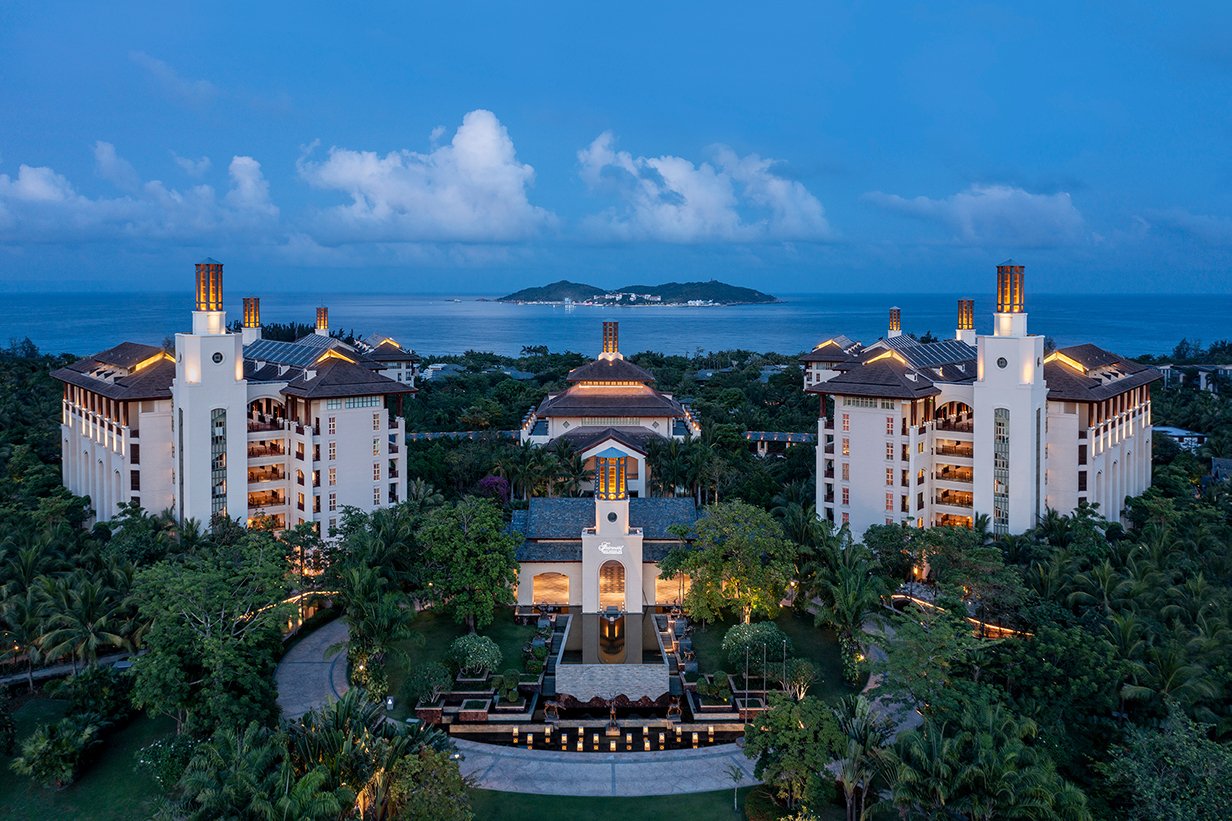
[1127,324]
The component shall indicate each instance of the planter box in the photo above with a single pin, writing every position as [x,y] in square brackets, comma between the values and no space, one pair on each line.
[503,706]
[431,714]
[474,709]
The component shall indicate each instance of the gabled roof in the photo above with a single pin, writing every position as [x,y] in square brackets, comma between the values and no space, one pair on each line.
[610,370]
[836,349]
[924,354]
[126,372]
[887,376]
[585,437]
[1088,373]
[334,378]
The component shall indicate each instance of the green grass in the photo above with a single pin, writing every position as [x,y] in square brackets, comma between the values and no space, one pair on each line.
[818,645]
[435,631]
[108,789]
[710,806]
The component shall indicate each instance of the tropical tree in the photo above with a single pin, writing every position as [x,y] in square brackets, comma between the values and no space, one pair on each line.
[429,784]
[860,761]
[471,561]
[792,742]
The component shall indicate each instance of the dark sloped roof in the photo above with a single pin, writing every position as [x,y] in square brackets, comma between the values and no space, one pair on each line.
[836,349]
[110,373]
[586,437]
[555,519]
[925,354]
[887,378]
[636,400]
[550,551]
[1107,374]
[336,378]
[610,370]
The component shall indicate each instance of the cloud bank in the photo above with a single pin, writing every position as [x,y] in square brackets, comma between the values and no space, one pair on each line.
[672,199]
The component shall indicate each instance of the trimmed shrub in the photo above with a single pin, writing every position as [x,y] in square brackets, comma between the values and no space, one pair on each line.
[475,655]
[761,639]
[509,686]
[53,753]
[425,683]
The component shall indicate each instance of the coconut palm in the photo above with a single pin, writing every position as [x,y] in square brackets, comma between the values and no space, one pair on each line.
[234,774]
[572,475]
[860,763]
[83,622]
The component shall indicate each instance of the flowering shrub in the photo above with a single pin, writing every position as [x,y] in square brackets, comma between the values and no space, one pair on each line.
[165,759]
[475,654]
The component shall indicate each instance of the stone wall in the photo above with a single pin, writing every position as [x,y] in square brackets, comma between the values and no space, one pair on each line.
[585,681]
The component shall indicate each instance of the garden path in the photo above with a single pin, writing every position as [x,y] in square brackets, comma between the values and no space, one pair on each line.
[305,678]
[548,772]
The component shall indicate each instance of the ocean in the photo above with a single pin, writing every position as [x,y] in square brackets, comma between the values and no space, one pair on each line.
[434,324]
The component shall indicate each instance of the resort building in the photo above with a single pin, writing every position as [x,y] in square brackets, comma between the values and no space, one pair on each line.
[938,433]
[610,404]
[235,425]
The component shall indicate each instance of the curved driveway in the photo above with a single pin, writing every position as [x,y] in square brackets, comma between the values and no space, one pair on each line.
[305,678]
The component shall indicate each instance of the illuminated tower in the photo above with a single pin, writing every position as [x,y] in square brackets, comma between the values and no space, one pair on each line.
[612,550]
[210,405]
[896,323]
[251,330]
[322,321]
[966,321]
[1010,412]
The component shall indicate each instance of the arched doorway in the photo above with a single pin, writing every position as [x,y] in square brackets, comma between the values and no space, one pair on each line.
[551,588]
[612,585]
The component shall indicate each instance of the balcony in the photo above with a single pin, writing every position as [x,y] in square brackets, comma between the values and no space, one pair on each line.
[962,450]
[955,424]
[954,498]
[273,473]
[264,451]
[266,499]
[953,474]
[261,422]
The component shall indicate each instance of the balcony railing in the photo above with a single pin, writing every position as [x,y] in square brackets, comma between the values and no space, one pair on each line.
[956,424]
[267,499]
[270,474]
[954,499]
[259,451]
[956,450]
[964,476]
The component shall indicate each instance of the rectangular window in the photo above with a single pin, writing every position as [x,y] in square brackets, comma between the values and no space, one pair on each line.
[333,425]
[134,454]
[363,402]
[376,421]
[846,422]
[846,495]
[1001,471]
[919,448]
[376,447]
[889,476]
[376,472]
[890,501]
[333,451]
[299,501]
[846,518]
[889,426]
[333,476]
[376,496]
[316,504]
[1082,480]
[890,451]
[333,404]
[333,501]
[846,471]
[134,480]
[846,446]
[333,526]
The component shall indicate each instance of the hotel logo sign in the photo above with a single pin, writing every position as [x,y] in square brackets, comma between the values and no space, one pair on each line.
[609,549]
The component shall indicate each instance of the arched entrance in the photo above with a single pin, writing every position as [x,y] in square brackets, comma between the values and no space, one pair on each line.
[612,585]
[551,588]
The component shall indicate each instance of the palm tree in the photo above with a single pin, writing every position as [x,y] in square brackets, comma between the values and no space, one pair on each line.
[861,761]
[84,622]
[849,590]
[234,774]
[571,471]
[422,492]
[25,616]
[924,767]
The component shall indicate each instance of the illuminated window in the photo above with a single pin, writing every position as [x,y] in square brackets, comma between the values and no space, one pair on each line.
[299,501]
[376,421]
[846,495]
[890,450]
[846,422]
[376,447]
[846,446]
[889,501]
[919,448]
[333,424]
[333,476]
[889,476]
[846,471]
[889,425]
[846,518]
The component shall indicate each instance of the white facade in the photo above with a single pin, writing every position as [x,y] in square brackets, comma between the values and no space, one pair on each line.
[937,434]
[226,428]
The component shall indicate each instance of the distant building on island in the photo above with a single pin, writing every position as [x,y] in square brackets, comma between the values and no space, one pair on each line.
[610,404]
[238,426]
[938,433]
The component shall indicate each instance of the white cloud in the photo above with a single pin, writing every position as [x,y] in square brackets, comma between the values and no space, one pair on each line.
[193,168]
[194,92]
[472,190]
[39,205]
[1000,214]
[1205,228]
[671,199]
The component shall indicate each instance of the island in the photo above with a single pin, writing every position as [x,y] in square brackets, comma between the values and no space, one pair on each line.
[693,294]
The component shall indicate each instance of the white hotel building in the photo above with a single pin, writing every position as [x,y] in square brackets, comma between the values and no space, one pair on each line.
[235,425]
[938,433]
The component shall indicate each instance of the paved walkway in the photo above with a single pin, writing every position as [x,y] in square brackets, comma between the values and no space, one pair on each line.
[59,670]
[547,772]
[305,678]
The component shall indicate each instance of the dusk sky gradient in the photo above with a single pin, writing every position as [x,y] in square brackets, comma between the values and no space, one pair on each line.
[479,147]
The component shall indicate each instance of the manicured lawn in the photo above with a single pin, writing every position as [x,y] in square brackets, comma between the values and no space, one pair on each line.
[706,806]
[108,789]
[436,630]
[818,645]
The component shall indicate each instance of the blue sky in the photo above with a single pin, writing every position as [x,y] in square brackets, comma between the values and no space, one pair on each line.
[479,147]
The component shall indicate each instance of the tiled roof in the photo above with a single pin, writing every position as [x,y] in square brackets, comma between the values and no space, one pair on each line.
[584,400]
[586,437]
[610,370]
[836,349]
[925,354]
[564,518]
[336,378]
[888,378]
[1103,375]
[111,373]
